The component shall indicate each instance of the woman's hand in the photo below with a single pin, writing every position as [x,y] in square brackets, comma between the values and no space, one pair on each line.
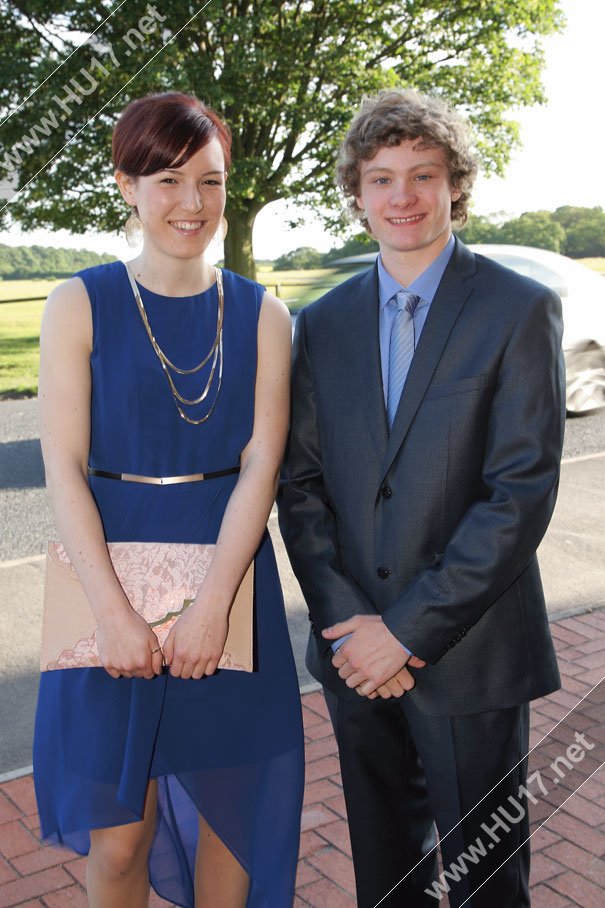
[195,644]
[126,646]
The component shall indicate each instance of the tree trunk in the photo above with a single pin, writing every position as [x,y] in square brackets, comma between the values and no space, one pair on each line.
[239,255]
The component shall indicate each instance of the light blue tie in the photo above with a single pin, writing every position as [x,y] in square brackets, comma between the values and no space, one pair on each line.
[401,348]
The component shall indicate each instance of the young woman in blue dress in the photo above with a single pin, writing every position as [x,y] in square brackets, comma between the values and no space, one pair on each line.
[157,765]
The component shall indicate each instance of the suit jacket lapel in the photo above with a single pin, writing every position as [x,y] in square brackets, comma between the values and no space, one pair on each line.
[445,309]
[367,368]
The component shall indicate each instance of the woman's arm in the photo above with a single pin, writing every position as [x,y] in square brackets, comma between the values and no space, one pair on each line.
[195,644]
[124,640]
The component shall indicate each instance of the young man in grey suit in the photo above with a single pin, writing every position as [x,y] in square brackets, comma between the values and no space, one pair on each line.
[420,476]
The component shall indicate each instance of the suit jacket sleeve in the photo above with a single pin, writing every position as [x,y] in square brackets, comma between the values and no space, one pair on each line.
[500,532]
[307,520]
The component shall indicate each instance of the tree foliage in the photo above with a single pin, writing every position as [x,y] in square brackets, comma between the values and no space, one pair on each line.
[481,228]
[573,231]
[287,76]
[584,230]
[304,257]
[23,262]
[356,245]
[534,228]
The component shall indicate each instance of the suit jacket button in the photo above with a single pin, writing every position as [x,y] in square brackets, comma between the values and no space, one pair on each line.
[383,572]
[386,491]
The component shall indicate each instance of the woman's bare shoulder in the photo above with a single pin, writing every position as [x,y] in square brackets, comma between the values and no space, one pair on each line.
[68,310]
[274,311]
[71,292]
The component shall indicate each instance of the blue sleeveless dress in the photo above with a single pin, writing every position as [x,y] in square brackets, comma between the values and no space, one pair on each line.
[229,746]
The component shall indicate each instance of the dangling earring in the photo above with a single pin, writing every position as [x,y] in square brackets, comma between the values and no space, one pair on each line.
[219,237]
[133,229]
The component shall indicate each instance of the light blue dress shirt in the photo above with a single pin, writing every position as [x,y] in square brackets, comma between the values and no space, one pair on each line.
[425,286]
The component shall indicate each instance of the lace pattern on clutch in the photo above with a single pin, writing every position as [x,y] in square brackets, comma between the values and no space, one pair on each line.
[160,581]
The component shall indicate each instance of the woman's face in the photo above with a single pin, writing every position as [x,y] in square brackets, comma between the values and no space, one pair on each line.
[180,208]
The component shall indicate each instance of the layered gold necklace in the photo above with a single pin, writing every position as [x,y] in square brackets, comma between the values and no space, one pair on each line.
[215,354]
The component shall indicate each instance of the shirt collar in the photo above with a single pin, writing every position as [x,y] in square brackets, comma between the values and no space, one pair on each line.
[425,285]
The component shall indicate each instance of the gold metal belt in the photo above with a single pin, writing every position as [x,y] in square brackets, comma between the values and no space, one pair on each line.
[162,480]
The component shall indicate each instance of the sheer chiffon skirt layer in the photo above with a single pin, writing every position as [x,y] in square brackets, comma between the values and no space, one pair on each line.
[229,747]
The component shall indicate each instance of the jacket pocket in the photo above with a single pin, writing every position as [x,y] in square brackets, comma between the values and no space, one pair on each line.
[476,383]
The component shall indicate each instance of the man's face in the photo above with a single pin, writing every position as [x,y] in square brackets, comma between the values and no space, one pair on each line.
[407,196]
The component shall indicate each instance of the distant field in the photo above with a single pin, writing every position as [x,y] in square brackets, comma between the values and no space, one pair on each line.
[297,288]
[596,264]
[10,290]
[20,322]
[20,336]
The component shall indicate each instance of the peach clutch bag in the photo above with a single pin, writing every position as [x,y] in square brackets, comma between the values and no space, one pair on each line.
[160,581]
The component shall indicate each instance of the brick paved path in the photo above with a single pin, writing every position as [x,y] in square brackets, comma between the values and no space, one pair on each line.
[568,866]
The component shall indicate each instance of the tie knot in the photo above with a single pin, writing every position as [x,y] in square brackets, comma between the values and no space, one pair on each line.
[405,301]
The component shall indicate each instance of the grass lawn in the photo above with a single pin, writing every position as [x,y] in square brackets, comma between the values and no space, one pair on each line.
[19,343]
[20,335]
[16,290]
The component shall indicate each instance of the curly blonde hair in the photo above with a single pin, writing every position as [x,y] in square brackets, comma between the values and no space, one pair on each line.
[393,116]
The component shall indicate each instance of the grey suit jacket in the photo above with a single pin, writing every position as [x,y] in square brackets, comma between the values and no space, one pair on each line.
[434,526]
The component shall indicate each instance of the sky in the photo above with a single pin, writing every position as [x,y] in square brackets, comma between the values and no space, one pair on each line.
[560,161]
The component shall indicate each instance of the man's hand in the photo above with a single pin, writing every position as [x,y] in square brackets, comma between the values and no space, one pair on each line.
[372,657]
[397,686]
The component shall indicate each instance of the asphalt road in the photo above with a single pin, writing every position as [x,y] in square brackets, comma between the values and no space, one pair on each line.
[571,557]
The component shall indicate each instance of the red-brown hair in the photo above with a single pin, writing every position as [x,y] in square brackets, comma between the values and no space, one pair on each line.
[165,130]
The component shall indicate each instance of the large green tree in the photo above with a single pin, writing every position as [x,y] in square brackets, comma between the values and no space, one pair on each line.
[302,258]
[584,230]
[534,228]
[358,244]
[482,228]
[287,76]
[27,262]
[575,231]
